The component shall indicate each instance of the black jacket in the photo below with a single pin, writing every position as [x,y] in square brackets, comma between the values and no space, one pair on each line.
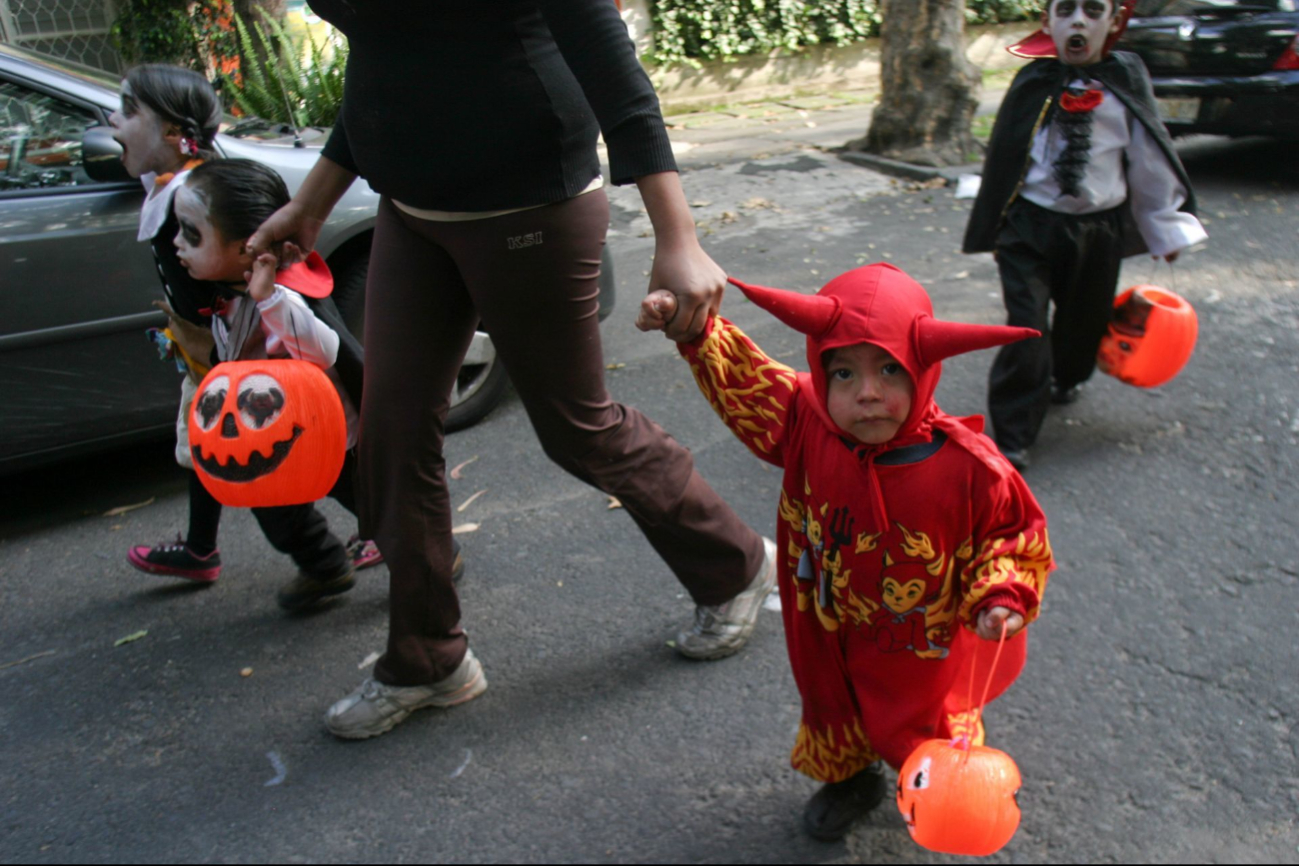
[1030,105]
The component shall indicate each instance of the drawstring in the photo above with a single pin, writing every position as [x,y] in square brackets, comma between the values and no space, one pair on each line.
[867,455]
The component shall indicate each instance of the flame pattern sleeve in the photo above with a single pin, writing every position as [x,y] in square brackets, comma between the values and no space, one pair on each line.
[750,392]
[1013,555]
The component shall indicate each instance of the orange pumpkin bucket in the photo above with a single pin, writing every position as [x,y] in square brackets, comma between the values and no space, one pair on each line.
[959,801]
[1151,337]
[267,433]
[959,798]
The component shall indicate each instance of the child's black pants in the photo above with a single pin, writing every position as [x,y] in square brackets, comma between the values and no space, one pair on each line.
[303,533]
[1047,257]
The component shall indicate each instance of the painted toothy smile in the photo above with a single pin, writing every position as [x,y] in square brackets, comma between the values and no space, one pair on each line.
[255,468]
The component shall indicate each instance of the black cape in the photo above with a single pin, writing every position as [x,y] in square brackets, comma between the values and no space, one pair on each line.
[1034,96]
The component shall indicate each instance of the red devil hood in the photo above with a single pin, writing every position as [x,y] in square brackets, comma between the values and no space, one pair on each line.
[879,304]
[1040,44]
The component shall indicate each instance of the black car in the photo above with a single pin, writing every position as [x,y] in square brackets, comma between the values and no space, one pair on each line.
[1223,67]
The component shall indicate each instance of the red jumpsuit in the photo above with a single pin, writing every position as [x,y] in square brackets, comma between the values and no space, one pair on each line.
[882,568]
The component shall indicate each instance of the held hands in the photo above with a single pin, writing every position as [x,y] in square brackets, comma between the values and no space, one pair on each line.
[991,620]
[261,279]
[289,233]
[686,287]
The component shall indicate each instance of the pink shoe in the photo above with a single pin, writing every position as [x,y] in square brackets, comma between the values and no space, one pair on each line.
[176,560]
[364,552]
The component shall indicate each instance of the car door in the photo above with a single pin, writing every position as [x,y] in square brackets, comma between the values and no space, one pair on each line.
[75,287]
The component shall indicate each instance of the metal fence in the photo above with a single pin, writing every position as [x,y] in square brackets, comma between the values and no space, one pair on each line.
[75,30]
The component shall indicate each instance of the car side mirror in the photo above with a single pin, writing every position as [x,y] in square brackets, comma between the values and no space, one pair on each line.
[102,156]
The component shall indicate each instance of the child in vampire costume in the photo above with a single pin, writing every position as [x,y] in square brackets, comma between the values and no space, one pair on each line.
[1080,172]
[889,554]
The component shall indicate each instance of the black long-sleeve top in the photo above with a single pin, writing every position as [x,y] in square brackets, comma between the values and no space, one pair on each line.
[476,105]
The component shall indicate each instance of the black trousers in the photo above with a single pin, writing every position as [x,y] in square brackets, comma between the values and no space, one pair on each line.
[303,533]
[1048,258]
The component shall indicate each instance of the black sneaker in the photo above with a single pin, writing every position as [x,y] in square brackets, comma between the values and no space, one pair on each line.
[830,814]
[175,559]
[1061,396]
[305,590]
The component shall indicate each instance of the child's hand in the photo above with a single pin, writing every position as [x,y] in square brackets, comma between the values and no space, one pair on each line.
[656,310]
[991,620]
[195,340]
[261,279]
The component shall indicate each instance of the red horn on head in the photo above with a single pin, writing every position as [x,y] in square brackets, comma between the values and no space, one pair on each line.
[808,314]
[937,340]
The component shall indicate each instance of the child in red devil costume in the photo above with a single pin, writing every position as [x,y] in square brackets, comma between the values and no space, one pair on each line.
[906,540]
[1080,172]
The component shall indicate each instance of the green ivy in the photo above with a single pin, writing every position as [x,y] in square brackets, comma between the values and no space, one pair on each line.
[693,31]
[155,31]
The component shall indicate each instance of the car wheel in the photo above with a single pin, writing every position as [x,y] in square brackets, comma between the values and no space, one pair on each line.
[481,382]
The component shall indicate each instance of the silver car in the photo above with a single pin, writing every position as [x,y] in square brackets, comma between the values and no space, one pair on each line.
[76,288]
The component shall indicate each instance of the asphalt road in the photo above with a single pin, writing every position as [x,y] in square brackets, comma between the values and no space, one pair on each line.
[1155,721]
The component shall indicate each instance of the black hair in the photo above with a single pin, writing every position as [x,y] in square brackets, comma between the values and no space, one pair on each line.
[180,96]
[1114,6]
[241,194]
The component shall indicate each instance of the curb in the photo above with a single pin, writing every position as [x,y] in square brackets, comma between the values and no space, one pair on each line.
[922,173]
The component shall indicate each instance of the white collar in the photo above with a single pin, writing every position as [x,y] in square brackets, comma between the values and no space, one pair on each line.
[157,207]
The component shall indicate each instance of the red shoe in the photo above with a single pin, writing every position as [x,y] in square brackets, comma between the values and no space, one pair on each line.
[176,560]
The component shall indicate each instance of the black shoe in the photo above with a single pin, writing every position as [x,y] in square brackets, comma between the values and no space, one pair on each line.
[305,590]
[1018,457]
[832,810]
[1065,396]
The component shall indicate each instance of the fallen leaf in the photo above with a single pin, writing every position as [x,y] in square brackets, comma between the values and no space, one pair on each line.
[463,528]
[700,203]
[672,644]
[757,203]
[131,638]
[469,501]
[123,509]
[614,366]
[614,503]
[246,673]
[456,474]
[367,661]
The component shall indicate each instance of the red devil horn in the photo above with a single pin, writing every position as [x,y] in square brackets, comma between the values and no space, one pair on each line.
[937,340]
[808,314]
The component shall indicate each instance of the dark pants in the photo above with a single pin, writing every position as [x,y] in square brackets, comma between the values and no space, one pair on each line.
[533,278]
[303,533]
[1047,257]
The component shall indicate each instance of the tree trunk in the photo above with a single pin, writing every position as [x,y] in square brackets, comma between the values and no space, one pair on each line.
[930,89]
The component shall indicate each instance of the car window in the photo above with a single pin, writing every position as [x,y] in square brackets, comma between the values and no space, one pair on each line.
[40,139]
[1155,8]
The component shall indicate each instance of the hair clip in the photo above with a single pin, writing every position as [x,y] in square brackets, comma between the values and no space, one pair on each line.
[188,146]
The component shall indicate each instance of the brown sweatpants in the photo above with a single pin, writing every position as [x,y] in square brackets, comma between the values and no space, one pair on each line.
[532,277]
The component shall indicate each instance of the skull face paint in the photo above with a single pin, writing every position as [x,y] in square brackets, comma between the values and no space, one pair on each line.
[1081,29]
[142,135]
[199,245]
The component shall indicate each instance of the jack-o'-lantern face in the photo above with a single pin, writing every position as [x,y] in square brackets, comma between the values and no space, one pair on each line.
[959,802]
[267,433]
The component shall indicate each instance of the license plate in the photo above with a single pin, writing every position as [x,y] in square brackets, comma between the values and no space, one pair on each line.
[1178,110]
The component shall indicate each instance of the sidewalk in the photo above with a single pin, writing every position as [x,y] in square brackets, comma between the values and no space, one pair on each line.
[821,122]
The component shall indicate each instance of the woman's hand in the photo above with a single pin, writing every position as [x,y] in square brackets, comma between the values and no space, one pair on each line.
[695,283]
[992,619]
[291,232]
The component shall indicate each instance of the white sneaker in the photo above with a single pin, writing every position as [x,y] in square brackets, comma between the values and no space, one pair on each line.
[723,630]
[375,708]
